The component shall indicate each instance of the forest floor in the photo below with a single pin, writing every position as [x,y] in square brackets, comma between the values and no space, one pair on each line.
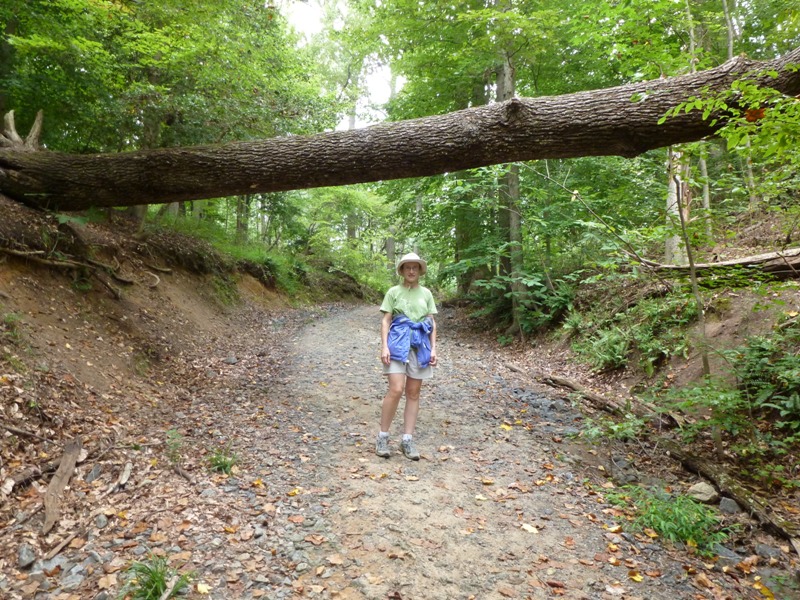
[505,502]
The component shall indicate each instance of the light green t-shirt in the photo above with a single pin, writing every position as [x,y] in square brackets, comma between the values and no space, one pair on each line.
[415,303]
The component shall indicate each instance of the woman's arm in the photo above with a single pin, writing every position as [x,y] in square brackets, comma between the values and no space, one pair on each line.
[386,323]
[433,341]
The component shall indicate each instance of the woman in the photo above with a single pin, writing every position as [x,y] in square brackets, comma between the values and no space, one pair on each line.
[408,350]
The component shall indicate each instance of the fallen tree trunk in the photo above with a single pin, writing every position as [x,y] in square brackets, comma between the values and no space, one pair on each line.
[785,263]
[634,406]
[621,121]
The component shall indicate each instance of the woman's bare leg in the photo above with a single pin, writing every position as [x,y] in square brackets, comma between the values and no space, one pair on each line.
[411,410]
[397,381]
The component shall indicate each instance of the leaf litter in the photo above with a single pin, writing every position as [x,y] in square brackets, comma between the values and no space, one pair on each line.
[496,508]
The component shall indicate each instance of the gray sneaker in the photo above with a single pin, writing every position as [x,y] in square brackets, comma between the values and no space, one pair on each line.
[410,450]
[382,447]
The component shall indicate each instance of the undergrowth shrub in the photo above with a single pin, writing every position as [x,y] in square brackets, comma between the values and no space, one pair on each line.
[544,302]
[650,331]
[676,519]
[149,580]
[10,330]
[768,370]
[756,407]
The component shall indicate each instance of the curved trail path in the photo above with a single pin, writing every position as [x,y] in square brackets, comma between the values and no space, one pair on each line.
[496,507]
[500,505]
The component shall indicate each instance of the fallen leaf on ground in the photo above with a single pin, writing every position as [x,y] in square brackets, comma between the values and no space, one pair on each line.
[615,589]
[107,582]
[315,539]
[702,580]
[507,591]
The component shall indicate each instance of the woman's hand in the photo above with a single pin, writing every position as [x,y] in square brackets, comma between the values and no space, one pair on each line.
[434,359]
[386,356]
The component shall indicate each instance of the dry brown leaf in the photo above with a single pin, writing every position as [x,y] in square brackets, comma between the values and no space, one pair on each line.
[77,543]
[748,564]
[702,580]
[315,539]
[106,582]
[180,557]
[615,589]
[507,591]
[653,573]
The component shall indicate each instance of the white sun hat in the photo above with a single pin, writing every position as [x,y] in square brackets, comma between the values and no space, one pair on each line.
[412,257]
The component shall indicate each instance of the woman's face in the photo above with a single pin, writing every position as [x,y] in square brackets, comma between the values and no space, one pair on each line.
[411,272]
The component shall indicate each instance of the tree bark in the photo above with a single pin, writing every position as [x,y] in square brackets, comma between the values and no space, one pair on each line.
[52,497]
[616,121]
[783,264]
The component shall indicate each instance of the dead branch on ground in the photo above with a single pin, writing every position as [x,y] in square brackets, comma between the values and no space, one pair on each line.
[52,497]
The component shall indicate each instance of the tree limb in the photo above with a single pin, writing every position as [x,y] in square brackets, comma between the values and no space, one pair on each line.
[622,121]
[59,481]
[23,433]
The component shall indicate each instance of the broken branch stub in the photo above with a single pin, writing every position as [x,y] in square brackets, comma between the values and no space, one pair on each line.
[11,140]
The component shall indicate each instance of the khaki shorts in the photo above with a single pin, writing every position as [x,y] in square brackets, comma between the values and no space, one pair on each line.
[410,369]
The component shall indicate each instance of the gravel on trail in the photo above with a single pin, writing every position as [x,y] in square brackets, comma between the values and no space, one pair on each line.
[499,506]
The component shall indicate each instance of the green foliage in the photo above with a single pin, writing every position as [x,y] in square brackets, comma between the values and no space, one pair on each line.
[149,580]
[768,369]
[605,428]
[766,376]
[10,330]
[606,349]
[81,283]
[223,460]
[112,76]
[711,404]
[651,330]
[11,333]
[225,290]
[759,124]
[676,519]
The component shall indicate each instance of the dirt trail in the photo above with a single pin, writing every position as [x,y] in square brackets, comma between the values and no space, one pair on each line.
[498,506]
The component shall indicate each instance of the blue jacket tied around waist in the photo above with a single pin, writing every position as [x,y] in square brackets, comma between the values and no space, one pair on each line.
[405,334]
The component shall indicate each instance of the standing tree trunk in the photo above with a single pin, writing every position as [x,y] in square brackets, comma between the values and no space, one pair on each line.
[510,223]
[242,217]
[675,250]
[467,217]
[701,162]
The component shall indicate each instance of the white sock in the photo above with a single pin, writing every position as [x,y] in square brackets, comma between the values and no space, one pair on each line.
[407,437]
[383,434]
